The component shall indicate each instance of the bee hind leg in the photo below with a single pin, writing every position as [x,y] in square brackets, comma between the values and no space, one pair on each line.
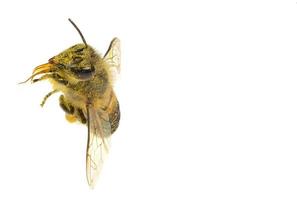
[81,116]
[77,115]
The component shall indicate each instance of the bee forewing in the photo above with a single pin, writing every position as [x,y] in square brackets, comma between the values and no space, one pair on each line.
[99,132]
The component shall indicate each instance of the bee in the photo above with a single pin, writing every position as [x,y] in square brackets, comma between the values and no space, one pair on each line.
[85,79]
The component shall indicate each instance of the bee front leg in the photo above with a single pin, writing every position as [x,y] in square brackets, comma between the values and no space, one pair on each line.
[53,76]
[46,76]
[47,96]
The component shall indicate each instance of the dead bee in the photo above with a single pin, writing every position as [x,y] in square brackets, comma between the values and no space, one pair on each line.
[85,80]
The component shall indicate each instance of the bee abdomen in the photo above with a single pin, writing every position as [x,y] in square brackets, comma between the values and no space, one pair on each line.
[114,117]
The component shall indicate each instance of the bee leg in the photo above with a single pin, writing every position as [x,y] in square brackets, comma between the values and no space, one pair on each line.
[81,116]
[59,79]
[46,76]
[68,109]
[47,96]
[54,76]
[70,118]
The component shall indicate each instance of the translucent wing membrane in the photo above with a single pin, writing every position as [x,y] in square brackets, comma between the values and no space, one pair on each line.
[113,57]
[99,132]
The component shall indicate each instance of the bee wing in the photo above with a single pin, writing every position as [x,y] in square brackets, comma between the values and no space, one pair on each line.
[113,56]
[99,132]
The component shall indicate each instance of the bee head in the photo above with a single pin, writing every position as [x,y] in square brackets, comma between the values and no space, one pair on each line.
[77,61]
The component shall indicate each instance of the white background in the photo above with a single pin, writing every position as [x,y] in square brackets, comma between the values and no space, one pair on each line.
[207,92]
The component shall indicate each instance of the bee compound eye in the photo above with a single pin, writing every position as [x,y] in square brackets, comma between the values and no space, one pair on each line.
[83,73]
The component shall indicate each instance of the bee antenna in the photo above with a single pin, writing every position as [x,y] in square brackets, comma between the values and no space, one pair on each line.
[81,35]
